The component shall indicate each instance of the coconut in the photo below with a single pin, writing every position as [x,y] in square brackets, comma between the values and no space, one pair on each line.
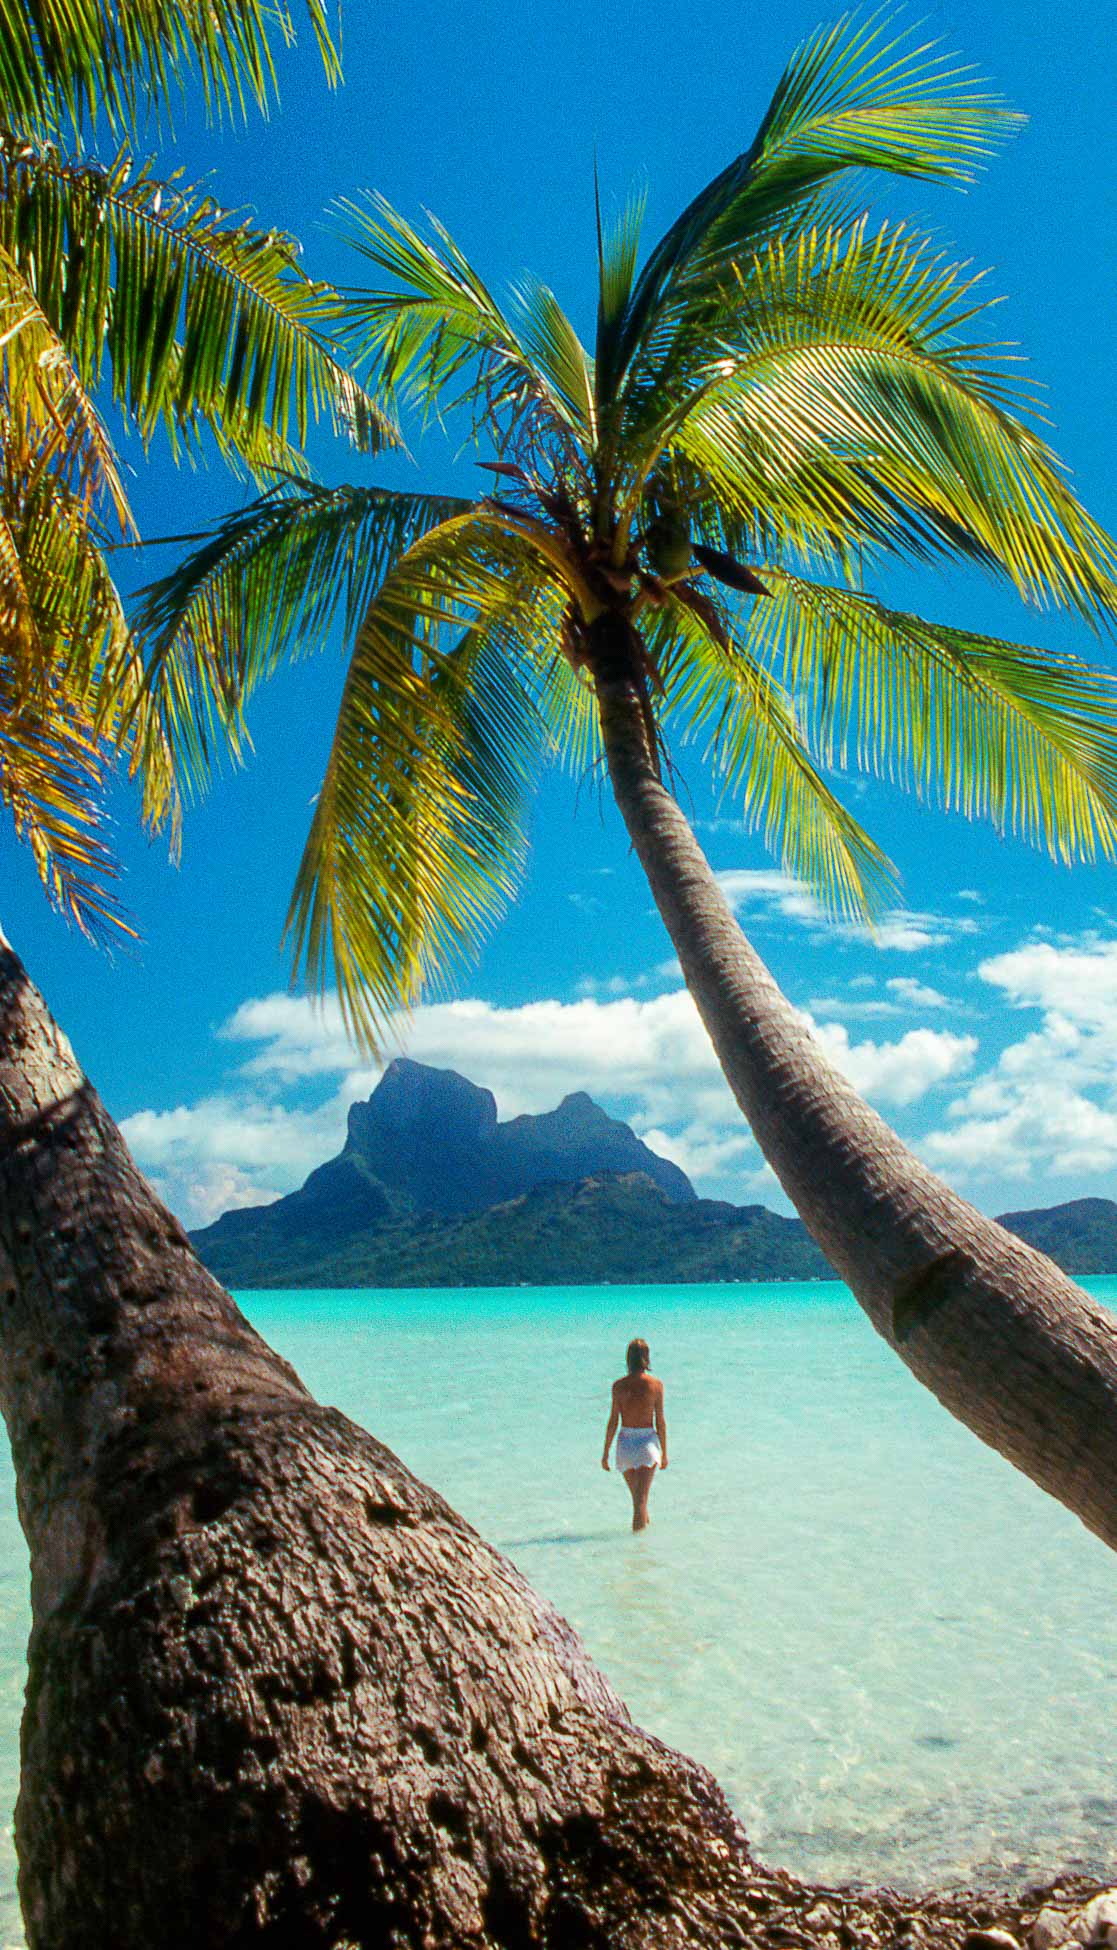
[667,543]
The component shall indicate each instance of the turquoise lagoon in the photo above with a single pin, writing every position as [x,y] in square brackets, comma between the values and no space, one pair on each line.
[899,1658]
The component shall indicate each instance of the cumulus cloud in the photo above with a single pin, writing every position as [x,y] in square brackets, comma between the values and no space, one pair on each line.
[646,1057]
[767,892]
[904,996]
[231,1150]
[1048,1106]
[901,1072]
[916,995]
[854,1008]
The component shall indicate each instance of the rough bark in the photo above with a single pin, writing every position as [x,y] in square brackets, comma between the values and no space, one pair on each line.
[279,1692]
[1004,1339]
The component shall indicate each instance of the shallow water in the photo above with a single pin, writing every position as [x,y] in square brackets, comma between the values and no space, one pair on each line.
[899,1658]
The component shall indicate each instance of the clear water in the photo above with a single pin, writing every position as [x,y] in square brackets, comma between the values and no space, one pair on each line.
[899,1658]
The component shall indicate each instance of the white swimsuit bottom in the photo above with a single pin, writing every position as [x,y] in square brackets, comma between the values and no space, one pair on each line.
[638,1449]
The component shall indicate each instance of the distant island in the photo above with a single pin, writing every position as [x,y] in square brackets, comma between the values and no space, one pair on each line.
[431,1189]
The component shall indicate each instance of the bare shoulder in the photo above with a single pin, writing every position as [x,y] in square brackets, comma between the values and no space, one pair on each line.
[657,1387]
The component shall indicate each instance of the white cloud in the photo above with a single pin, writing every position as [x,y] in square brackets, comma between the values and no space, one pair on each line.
[767,891]
[1048,1107]
[916,995]
[1079,980]
[904,996]
[231,1150]
[869,1009]
[901,1072]
[704,1155]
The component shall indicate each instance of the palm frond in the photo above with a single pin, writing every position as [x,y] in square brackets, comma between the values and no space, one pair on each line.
[714,685]
[617,256]
[61,626]
[851,98]
[416,841]
[53,771]
[854,410]
[59,428]
[270,581]
[556,351]
[441,327]
[204,321]
[83,58]
[993,729]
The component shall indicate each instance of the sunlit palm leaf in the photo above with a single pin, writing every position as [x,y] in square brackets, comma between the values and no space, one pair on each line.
[61,624]
[884,289]
[851,98]
[416,840]
[993,729]
[855,411]
[60,430]
[202,319]
[84,57]
[550,340]
[617,256]
[269,582]
[52,781]
[442,328]
[714,685]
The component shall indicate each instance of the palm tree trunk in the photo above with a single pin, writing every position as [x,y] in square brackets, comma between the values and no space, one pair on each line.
[1007,1343]
[279,1692]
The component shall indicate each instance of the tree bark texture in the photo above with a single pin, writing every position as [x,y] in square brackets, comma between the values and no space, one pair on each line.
[1010,1345]
[279,1692]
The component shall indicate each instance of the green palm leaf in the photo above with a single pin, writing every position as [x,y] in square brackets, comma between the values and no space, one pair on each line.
[617,257]
[417,839]
[62,630]
[853,409]
[270,581]
[851,98]
[441,328]
[60,430]
[203,320]
[714,685]
[993,729]
[84,58]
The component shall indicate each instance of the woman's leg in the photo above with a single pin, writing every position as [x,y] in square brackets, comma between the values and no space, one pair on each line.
[647,1478]
[639,1482]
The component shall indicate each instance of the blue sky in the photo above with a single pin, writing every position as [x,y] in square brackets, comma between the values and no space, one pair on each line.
[983,1019]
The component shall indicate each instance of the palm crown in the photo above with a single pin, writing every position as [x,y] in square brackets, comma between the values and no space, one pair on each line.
[782,398]
[113,279]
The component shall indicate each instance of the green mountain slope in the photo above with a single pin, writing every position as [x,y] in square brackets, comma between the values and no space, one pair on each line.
[619,1229]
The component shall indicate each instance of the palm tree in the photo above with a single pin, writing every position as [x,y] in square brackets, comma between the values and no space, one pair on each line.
[783,399]
[278,1692]
[115,279]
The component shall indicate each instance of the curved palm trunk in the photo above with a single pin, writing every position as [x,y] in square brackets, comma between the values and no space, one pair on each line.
[279,1693]
[1001,1336]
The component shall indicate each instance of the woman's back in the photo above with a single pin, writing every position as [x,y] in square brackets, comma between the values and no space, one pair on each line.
[637,1396]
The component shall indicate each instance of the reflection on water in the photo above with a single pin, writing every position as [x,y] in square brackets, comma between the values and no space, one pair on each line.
[560,1537]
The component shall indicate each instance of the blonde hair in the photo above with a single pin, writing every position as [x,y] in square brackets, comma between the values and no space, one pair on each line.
[637,1358]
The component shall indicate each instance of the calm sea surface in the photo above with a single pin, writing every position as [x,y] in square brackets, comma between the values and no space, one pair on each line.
[899,1658]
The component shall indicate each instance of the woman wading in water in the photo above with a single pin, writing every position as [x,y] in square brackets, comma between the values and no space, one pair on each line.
[642,1442]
